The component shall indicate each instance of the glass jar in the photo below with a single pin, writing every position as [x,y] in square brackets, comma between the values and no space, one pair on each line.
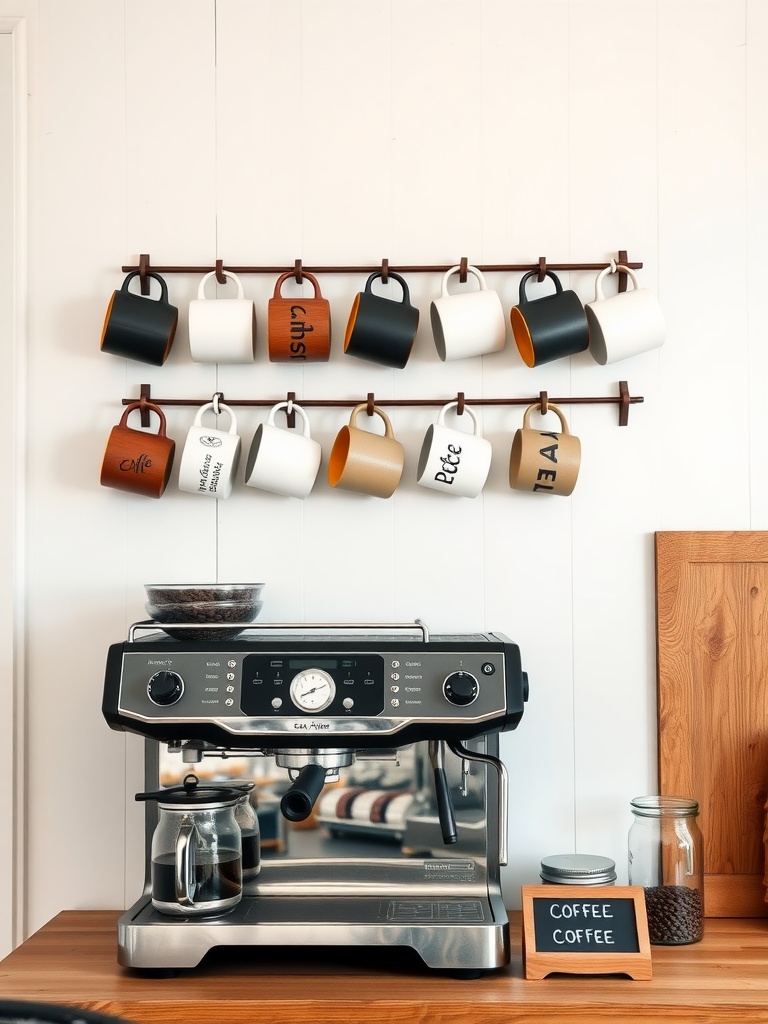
[666,858]
[246,818]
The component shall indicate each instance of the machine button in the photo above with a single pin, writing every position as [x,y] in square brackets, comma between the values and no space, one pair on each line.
[277,703]
[348,703]
[165,688]
[487,668]
[461,688]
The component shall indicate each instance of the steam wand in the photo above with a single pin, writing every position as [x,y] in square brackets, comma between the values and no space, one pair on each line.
[444,804]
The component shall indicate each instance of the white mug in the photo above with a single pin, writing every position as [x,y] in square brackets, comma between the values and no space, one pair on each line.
[467,323]
[283,460]
[222,330]
[624,324]
[210,457]
[454,461]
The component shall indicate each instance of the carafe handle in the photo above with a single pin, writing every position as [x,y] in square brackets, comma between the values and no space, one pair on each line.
[183,864]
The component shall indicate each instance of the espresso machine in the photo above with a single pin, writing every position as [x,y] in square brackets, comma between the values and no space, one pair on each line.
[411,864]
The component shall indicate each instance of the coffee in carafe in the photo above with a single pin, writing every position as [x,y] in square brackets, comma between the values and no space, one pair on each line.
[196,854]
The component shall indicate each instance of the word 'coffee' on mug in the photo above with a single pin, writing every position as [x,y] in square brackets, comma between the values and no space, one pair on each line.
[210,456]
[543,461]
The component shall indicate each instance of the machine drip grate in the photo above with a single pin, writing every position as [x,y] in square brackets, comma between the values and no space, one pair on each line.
[435,910]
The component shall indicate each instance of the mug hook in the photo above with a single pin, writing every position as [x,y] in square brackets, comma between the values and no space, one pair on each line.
[218,396]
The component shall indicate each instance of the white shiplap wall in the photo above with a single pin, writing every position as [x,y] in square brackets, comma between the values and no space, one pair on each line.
[262,131]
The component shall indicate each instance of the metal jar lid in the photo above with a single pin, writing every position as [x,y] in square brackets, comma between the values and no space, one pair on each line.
[578,869]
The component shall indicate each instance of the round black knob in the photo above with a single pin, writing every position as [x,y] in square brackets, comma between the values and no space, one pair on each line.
[165,688]
[461,688]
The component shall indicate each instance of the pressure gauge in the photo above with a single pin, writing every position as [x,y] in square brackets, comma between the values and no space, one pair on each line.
[312,690]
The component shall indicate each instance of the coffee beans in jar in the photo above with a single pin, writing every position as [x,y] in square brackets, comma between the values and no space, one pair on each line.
[666,859]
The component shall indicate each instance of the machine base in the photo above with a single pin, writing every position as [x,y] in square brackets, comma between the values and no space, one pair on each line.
[463,934]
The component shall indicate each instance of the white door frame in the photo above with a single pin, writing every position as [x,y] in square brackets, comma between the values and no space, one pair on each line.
[13,414]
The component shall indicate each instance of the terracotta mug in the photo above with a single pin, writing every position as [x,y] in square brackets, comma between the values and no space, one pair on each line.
[137,460]
[364,461]
[138,326]
[299,329]
[544,461]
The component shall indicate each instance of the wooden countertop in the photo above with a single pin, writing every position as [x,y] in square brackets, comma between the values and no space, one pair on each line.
[72,961]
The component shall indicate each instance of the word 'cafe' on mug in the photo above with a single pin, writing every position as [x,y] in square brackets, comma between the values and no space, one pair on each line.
[299,329]
[137,460]
[210,456]
[544,461]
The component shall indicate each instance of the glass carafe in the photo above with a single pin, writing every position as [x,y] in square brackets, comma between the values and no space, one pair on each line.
[196,850]
[666,857]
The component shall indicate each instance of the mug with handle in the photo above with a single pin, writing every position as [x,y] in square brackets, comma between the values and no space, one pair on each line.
[137,460]
[542,461]
[138,326]
[210,456]
[454,461]
[624,324]
[283,461]
[379,329]
[550,327]
[470,323]
[364,461]
[299,330]
[222,330]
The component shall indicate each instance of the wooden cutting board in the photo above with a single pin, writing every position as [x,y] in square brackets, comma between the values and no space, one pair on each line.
[712,634]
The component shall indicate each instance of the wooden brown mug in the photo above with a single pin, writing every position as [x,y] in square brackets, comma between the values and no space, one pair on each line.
[136,460]
[299,330]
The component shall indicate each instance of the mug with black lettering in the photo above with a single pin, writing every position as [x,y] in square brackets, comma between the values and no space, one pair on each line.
[210,456]
[138,326]
[544,461]
[454,461]
[138,460]
[379,329]
[299,329]
[550,327]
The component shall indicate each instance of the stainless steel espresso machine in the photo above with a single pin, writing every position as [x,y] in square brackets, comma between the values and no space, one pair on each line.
[414,864]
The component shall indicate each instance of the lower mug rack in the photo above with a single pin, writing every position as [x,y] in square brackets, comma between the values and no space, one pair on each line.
[623,400]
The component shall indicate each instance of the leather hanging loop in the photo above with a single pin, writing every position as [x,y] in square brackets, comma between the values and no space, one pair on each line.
[218,396]
[369,408]
[290,412]
[544,402]
[623,258]
[220,272]
[463,264]
[297,273]
[145,395]
[542,268]
[460,404]
[144,274]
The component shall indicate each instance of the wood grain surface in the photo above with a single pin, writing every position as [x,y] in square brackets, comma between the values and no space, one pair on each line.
[712,607]
[72,960]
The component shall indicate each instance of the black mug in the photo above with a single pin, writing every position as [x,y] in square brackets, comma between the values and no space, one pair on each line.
[379,329]
[139,327]
[551,327]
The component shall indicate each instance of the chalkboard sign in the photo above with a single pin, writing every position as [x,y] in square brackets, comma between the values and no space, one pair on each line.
[585,929]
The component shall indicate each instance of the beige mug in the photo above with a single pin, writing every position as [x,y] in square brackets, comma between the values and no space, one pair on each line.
[542,460]
[364,461]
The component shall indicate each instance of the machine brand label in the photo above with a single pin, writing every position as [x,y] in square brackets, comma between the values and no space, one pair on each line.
[312,725]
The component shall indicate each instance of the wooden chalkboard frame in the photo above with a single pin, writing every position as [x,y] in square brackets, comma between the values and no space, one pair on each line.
[538,963]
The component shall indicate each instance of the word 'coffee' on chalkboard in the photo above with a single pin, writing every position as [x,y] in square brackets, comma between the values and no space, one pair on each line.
[578,929]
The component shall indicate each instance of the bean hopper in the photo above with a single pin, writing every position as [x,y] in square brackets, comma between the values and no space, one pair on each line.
[383,739]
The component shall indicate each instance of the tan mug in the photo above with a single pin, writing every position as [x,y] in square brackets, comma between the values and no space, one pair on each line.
[542,460]
[299,329]
[364,461]
[137,460]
